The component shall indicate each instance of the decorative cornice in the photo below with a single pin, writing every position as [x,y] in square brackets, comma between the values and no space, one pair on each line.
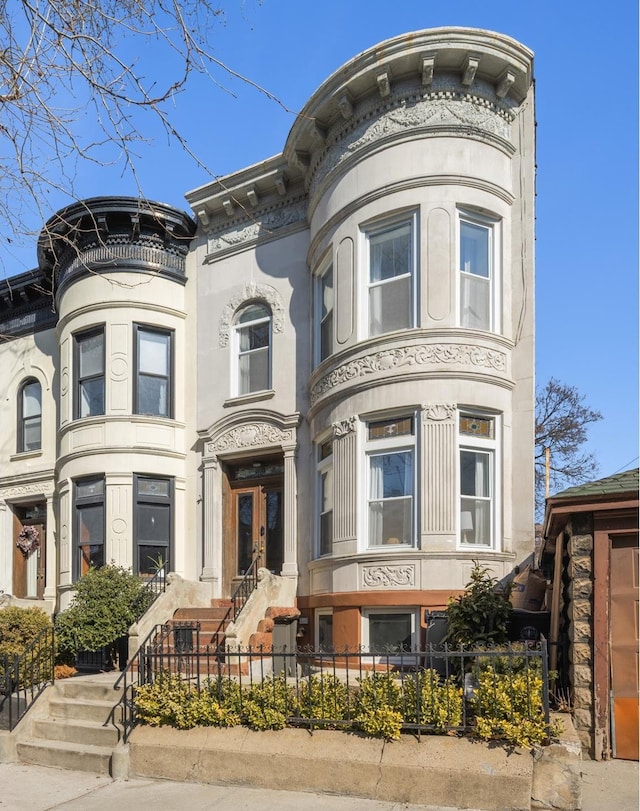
[251,292]
[43,488]
[439,412]
[260,226]
[399,575]
[344,427]
[250,435]
[410,358]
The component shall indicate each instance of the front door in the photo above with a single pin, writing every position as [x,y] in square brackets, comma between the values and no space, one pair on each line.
[254,527]
[29,554]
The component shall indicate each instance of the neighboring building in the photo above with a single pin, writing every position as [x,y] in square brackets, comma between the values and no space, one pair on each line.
[591,549]
[358,315]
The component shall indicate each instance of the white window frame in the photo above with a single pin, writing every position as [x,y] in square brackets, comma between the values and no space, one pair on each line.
[494,281]
[492,448]
[322,467]
[378,447]
[378,228]
[319,321]
[322,612]
[367,613]
[235,348]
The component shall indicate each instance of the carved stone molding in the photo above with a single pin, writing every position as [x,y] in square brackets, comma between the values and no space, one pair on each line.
[249,292]
[445,104]
[410,358]
[438,412]
[35,489]
[260,226]
[344,427]
[253,434]
[389,576]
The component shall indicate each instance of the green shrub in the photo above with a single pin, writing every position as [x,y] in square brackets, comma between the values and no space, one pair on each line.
[19,629]
[379,706]
[105,604]
[432,703]
[509,707]
[481,615]
[323,696]
[268,704]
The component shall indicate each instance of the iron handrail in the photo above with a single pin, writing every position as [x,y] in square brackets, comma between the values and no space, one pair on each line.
[150,592]
[25,676]
[246,587]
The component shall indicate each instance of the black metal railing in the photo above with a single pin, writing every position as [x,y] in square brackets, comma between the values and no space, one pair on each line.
[435,688]
[246,587]
[23,678]
[150,592]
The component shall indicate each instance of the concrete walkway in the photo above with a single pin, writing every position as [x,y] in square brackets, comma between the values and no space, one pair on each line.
[38,788]
[608,785]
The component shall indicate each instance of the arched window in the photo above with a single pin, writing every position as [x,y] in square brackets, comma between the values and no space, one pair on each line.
[30,416]
[252,332]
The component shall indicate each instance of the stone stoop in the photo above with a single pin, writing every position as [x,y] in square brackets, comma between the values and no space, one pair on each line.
[80,729]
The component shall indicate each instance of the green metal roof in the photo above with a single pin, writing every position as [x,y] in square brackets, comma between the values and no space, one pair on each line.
[626,482]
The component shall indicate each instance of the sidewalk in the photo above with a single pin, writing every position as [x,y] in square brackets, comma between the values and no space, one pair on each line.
[37,788]
[609,784]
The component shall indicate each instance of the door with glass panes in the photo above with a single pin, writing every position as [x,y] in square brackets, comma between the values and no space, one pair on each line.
[254,527]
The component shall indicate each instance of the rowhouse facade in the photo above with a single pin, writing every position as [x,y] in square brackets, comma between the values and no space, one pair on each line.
[336,376]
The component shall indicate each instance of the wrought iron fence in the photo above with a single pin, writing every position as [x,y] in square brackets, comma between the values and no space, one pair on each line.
[23,678]
[434,689]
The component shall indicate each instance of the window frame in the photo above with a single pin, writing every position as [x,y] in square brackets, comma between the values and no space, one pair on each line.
[147,499]
[327,269]
[383,446]
[492,226]
[319,614]
[375,229]
[491,448]
[410,611]
[236,352]
[22,419]
[141,329]
[78,337]
[323,467]
[80,502]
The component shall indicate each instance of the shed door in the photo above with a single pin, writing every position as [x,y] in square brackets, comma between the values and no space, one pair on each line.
[623,632]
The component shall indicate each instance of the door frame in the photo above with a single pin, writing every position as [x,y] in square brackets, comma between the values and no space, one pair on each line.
[20,562]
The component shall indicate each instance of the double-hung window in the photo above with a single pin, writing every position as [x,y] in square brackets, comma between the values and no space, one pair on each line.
[30,416]
[89,373]
[390,456]
[324,314]
[153,523]
[477,480]
[477,262]
[325,497]
[89,525]
[153,393]
[252,332]
[391,252]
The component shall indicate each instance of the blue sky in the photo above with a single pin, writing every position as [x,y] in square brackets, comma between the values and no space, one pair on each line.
[587,148]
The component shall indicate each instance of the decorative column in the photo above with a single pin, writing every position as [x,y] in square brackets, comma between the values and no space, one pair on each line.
[345,478]
[438,477]
[212,525]
[290,565]
[51,575]
[6,549]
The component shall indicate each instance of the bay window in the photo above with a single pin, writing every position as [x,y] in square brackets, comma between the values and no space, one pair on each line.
[89,373]
[477,463]
[89,526]
[391,277]
[153,371]
[325,498]
[153,523]
[477,274]
[390,452]
[324,314]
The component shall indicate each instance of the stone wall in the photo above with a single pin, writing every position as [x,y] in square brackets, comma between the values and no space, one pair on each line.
[580,612]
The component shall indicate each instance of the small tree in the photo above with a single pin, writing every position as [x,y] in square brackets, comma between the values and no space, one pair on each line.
[480,616]
[562,418]
[104,606]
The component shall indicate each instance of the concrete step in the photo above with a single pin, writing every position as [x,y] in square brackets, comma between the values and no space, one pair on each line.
[98,712]
[79,732]
[83,688]
[64,755]
[195,614]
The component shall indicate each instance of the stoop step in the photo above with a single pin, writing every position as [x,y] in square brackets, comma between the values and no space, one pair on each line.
[99,712]
[79,732]
[65,755]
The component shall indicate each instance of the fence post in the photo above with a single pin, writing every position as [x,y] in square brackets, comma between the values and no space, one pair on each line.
[545,679]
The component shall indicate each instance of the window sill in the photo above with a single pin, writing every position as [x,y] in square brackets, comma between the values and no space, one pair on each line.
[265,394]
[18,457]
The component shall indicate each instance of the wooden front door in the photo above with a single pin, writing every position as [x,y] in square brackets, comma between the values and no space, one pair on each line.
[623,629]
[29,569]
[254,527]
